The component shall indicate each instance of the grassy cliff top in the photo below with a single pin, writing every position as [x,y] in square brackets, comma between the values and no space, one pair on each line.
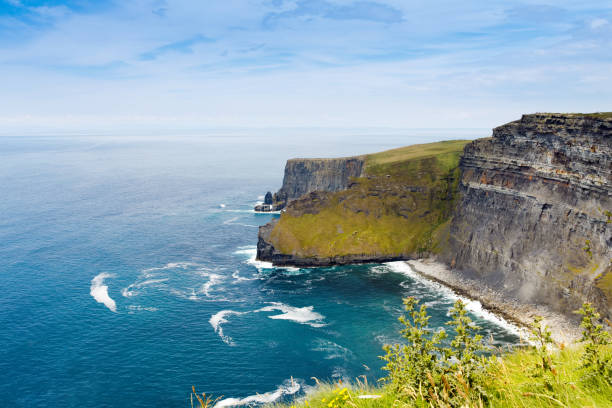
[399,207]
[597,115]
[418,151]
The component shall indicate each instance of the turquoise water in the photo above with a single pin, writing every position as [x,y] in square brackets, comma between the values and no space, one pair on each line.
[128,275]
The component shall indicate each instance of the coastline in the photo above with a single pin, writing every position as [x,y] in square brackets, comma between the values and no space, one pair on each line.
[563,330]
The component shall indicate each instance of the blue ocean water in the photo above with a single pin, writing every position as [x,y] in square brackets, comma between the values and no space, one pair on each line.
[128,274]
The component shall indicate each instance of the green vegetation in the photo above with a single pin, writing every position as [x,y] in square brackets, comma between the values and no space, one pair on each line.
[596,115]
[430,371]
[599,115]
[402,206]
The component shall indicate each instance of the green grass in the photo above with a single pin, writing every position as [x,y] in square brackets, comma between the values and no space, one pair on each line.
[511,385]
[598,115]
[399,208]
[418,151]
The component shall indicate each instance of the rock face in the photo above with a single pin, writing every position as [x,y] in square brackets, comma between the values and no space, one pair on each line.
[303,176]
[266,251]
[268,198]
[534,215]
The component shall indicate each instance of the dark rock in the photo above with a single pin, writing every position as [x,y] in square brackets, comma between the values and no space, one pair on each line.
[531,196]
[268,199]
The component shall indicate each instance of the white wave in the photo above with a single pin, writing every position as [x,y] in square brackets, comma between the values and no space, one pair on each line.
[214,279]
[238,278]
[251,252]
[171,265]
[378,270]
[222,205]
[130,290]
[473,306]
[218,319]
[290,387]
[230,221]
[99,291]
[302,315]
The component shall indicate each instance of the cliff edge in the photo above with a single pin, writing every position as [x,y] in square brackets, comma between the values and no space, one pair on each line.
[534,216]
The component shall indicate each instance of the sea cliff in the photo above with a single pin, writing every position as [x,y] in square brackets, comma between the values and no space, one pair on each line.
[534,215]
[526,212]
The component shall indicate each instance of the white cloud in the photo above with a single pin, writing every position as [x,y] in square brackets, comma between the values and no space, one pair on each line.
[453,65]
[599,22]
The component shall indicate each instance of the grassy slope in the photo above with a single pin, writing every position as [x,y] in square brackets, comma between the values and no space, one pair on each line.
[511,386]
[400,207]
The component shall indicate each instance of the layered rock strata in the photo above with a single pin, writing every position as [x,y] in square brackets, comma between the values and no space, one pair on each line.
[303,176]
[534,215]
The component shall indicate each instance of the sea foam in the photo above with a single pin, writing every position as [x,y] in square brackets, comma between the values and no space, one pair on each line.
[251,252]
[99,291]
[302,315]
[218,319]
[289,387]
[473,306]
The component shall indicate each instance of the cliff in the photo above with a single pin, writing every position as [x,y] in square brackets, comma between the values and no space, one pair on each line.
[534,215]
[526,212]
[303,176]
[397,209]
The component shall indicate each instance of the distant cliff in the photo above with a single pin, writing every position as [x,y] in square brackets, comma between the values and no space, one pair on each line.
[534,214]
[397,209]
[303,176]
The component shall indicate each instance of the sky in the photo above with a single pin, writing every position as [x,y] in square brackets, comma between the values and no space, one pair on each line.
[153,64]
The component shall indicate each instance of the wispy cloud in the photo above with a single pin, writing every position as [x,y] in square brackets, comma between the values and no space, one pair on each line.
[183,46]
[298,62]
[360,10]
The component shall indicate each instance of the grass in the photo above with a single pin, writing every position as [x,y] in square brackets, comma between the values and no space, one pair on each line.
[511,385]
[597,115]
[399,208]
[419,151]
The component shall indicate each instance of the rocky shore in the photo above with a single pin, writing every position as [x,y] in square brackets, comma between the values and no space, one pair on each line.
[564,330]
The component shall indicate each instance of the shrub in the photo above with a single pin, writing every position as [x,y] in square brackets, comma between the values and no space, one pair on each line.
[594,361]
[425,371]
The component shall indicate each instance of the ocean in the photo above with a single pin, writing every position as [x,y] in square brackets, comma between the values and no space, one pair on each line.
[128,273]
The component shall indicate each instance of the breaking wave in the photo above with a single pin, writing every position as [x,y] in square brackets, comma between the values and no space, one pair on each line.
[302,315]
[99,291]
[473,306]
[289,387]
[251,252]
[218,319]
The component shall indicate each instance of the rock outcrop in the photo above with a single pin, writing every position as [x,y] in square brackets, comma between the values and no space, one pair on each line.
[534,215]
[303,176]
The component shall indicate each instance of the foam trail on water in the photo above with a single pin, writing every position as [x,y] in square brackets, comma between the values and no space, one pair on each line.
[218,319]
[251,252]
[214,279]
[290,387]
[130,290]
[473,306]
[303,315]
[99,291]
[238,278]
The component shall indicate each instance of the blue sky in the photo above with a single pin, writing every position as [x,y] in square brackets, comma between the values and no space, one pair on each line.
[290,63]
